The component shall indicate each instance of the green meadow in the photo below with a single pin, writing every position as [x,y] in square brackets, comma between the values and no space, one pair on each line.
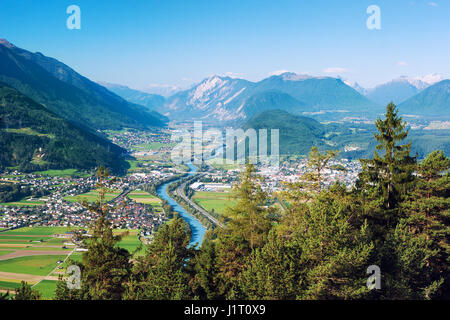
[9,285]
[24,203]
[63,173]
[39,239]
[46,288]
[130,242]
[93,196]
[36,231]
[144,197]
[218,201]
[30,132]
[35,265]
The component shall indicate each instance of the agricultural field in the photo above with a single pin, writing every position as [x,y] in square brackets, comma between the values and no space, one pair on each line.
[93,196]
[40,265]
[141,196]
[34,255]
[218,201]
[24,203]
[63,173]
[36,231]
[131,241]
[144,197]
[153,146]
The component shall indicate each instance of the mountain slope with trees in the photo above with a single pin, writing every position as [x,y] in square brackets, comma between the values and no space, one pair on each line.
[34,138]
[297,134]
[434,101]
[68,94]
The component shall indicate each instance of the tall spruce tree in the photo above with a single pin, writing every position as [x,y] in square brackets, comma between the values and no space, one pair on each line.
[164,272]
[335,248]
[427,215]
[387,177]
[205,285]
[25,292]
[250,218]
[105,268]
[250,221]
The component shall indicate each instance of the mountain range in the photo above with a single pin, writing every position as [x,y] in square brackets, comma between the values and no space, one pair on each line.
[433,101]
[230,100]
[400,89]
[151,101]
[68,94]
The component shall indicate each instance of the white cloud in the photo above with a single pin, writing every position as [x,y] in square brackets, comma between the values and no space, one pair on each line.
[431,78]
[277,72]
[234,74]
[402,63]
[335,70]
[433,4]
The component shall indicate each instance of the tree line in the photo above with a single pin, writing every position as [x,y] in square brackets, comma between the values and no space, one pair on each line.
[395,217]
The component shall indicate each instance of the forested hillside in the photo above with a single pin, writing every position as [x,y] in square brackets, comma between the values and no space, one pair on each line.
[68,94]
[34,138]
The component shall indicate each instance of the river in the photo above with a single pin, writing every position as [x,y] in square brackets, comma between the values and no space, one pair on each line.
[197,229]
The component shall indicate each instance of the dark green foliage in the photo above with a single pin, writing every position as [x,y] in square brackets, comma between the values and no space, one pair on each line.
[33,138]
[163,273]
[297,134]
[25,292]
[426,212]
[388,176]
[10,192]
[205,284]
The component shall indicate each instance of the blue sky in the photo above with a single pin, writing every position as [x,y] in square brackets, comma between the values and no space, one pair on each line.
[141,43]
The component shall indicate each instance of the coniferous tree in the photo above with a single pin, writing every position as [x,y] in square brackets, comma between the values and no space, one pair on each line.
[426,212]
[335,247]
[317,162]
[387,178]
[384,185]
[163,273]
[274,272]
[25,292]
[105,268]
[4,296]
[204,283]
[250,218]
[250,221]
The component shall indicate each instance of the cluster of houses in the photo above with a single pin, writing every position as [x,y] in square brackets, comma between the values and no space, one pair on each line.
[56,211]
